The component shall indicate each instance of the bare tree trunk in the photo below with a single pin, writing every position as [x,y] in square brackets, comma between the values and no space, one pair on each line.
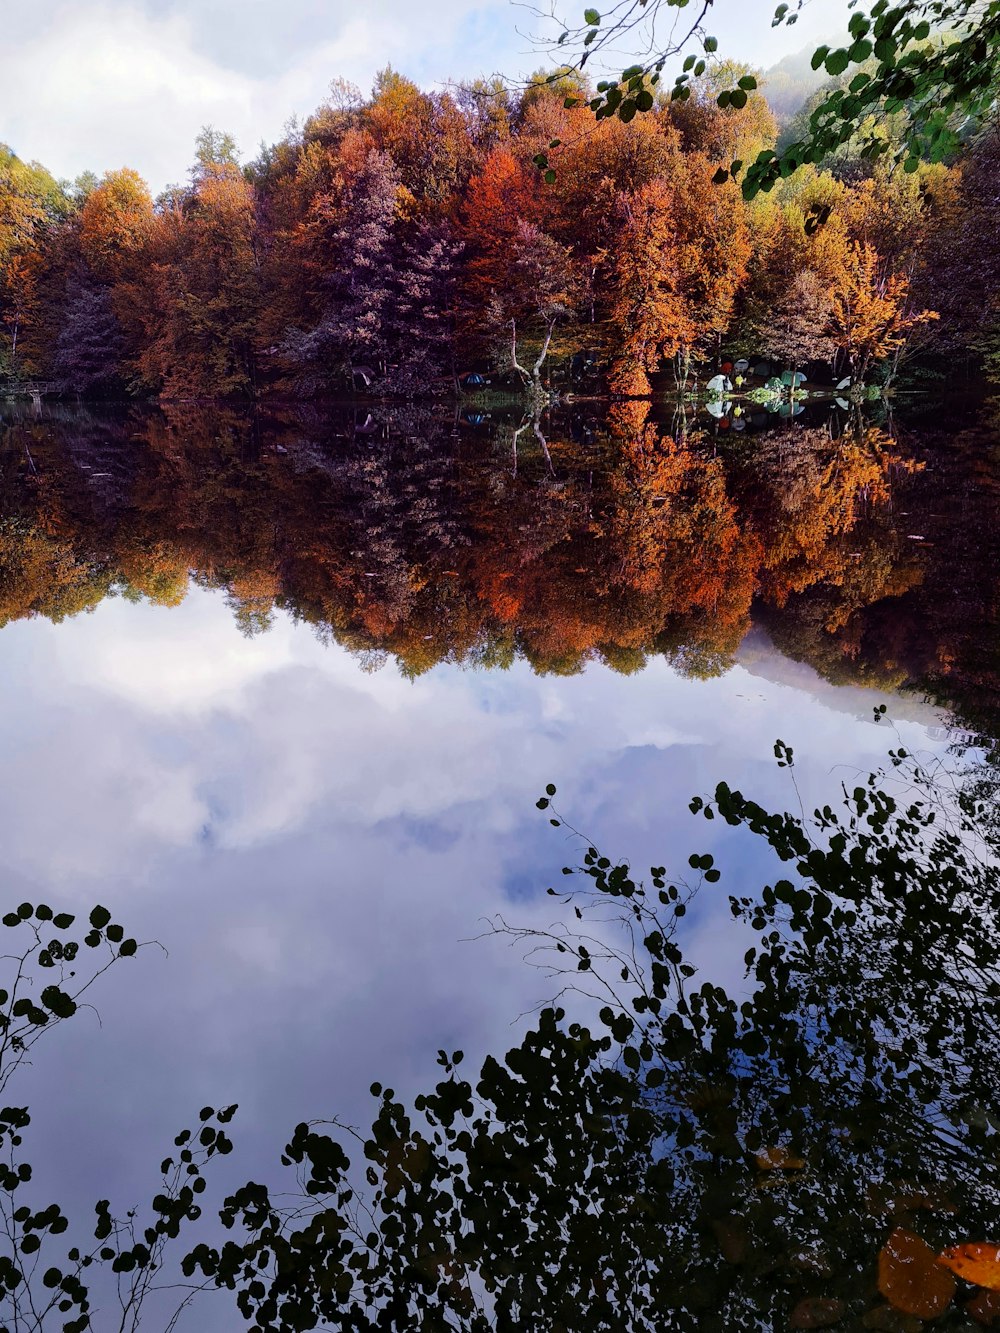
[537,369]
[543,442]
[515,364]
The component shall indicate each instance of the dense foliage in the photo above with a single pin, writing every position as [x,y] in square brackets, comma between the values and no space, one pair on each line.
[395,243]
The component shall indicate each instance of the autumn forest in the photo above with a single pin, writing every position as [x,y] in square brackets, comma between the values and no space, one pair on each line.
[398,244]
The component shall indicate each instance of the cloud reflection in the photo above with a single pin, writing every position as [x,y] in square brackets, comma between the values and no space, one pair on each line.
[315,846]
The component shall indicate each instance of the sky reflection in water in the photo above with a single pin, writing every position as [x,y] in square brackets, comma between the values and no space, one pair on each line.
[314,846]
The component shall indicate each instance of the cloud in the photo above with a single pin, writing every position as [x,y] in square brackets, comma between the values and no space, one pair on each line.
[100,84]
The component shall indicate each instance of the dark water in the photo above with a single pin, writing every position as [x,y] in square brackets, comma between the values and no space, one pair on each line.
[281,692]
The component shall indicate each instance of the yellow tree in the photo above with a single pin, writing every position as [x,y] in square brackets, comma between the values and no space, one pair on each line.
[870,318]
[713,256]
[115,224]
[30,201]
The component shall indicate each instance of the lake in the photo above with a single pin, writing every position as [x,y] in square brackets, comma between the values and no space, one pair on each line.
[282,692]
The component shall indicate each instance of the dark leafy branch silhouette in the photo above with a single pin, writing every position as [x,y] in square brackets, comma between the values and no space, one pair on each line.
[816,1148]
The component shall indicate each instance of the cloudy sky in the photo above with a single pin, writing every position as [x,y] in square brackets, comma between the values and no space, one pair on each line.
[315,846]
[98,84]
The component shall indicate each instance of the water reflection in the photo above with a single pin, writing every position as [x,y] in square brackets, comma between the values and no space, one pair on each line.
[312,832]
[867,550]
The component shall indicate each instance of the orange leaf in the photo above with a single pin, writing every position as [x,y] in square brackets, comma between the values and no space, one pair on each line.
[910,1277]
[978,1262]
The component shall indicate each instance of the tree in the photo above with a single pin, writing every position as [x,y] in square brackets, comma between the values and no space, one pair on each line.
[90,346]
[724,133]
[31,203]
[200,297]
[47,979]
[683,1154]
[869,319]
[352,234]
[808,1149]
[115,225]
[540,291]
[420,314]
[936,63]
[797,328]
[647,304]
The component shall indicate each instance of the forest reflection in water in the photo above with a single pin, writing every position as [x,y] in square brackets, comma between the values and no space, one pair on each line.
[786,1138]
[867,547]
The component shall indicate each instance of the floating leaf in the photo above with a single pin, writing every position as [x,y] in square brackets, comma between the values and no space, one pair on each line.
[817,1312]
[910,1277]
[978,1262]
[984,1308]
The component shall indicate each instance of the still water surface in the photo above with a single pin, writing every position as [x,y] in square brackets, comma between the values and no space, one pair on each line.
[282,693]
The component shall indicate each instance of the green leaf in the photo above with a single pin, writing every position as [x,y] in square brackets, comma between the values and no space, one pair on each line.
[819,56]
[748,83]
[885,50]
[592,17]
[837,62]
[711,44]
